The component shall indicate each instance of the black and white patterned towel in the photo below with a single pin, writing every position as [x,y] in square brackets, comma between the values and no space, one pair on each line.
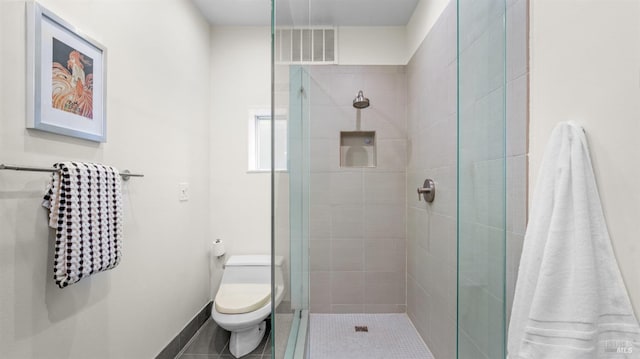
[85,209]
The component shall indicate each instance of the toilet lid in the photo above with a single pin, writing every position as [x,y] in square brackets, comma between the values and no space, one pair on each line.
[242,298]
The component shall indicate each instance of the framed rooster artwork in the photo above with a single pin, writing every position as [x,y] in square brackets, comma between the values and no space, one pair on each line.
[66,78]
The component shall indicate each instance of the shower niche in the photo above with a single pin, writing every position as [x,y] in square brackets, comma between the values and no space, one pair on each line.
[357,149]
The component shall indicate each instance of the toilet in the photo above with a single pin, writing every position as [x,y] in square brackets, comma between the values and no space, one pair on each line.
[243,301]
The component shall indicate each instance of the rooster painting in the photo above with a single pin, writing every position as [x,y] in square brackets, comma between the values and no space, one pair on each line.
[72,85]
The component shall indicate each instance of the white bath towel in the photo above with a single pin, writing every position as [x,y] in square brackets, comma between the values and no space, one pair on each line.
[85,209]
[570,300]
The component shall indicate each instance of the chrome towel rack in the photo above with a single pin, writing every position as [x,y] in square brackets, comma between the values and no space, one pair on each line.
[124,174]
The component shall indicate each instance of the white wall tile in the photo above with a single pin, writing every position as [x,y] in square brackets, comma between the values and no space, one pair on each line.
[517,114]
[517,194]
[347,308]
[326,121]
[385,255]
[418,221]
[384,221]
[320,292]
[417,304]
[320,85]
[445,179]
[347,255]
[347,221]
[391,155]
[387,124]
[442,238]
[347,187]
[345,84]
[514,252]
[347,288]
[320,188]
[384,288]
[384,187]
[443,329]
[385,308]
[320,255]
[422,272]
[517,40]
[319,221]
[325,154]
[436,269]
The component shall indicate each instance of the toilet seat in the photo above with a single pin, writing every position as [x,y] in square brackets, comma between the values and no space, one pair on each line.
[238,298]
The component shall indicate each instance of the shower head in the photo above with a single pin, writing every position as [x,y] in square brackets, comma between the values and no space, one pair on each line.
[360,101]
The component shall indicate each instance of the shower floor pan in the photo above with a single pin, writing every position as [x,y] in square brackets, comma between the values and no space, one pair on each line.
[365,336]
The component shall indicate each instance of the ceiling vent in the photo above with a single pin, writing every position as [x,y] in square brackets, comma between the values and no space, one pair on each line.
[306,46]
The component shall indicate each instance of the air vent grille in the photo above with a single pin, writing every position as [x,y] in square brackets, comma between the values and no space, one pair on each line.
[306,46]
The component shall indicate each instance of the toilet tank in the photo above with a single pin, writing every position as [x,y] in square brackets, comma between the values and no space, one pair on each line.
[250,269]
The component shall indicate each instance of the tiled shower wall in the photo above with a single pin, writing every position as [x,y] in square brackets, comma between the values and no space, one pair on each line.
[431,227]
[357,215]
[432,127]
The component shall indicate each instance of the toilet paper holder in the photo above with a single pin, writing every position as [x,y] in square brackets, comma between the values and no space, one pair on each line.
[218,249]
[427,191]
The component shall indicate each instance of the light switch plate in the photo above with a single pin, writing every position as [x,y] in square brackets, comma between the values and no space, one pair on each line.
[183,191]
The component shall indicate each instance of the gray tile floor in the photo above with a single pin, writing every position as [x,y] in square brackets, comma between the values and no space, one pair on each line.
[332,336]
[212,342]
[283,327]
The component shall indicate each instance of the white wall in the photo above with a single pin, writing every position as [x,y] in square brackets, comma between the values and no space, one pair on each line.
[157,107]
[388,45]
[425,15]
[585,58]
[372,45]
[240,81]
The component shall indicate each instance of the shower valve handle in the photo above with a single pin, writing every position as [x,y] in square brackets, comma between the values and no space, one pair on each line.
[427,191]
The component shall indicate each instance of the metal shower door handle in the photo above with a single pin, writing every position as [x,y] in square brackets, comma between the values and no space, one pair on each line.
[427,191]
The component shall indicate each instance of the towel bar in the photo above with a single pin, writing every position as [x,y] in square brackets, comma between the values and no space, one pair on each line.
[124,174]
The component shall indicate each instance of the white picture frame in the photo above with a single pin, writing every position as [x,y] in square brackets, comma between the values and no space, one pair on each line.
[66,78]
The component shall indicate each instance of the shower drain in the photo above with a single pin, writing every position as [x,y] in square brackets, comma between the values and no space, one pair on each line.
[362,328]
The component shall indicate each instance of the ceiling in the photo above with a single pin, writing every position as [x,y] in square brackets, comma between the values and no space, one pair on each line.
[308,12]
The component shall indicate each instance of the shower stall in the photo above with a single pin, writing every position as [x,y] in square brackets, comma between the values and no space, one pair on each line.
[367,143]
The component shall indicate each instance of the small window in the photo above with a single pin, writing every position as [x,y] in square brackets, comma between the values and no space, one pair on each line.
[260,142]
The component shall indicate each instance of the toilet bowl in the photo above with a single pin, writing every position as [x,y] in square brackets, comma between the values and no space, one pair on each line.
[243,301]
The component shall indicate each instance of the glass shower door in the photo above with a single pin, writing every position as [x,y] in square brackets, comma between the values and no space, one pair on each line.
[291,213]
[290,237]
[299,207]
[481,179]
